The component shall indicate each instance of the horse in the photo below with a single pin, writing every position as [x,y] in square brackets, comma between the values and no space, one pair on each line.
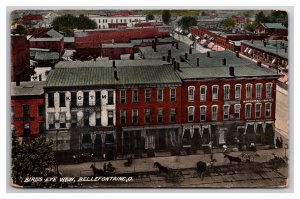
[233,159]
[97,172]
[161,168]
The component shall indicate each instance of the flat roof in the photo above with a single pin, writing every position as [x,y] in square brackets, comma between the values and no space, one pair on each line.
[276,47]
[104,76]
[118,45]
[41,55]
[45,39]
[27,88]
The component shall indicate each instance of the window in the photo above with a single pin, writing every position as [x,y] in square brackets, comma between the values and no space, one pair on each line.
[41,128]
[237,111]
[268,90]
[237,91]
[41,110]
[122,96]
[62,99]
[147,115]
[26,113]
[226,92]
[62,120]
[74,119]
[257,110]
[73,99]
[203,93]
[160,115]
[172,94]
[110,98]
[160,94]
[215,89]
[214,112]
[51,118]
[147,95]
[50,99]
[258,90]
[191,114]
[134,96]
[123,117]
[268,110]
[172,115]
[135,116]
[86,116]
[202,113]
[85,98]
[248,111]
[191,90]
[226,112]
[248,91]
[98,118]
[98,98]
[110,118]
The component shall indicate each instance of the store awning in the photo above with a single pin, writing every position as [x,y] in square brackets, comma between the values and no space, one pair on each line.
[197,37]
[203,41]
[246,50]
[250,51]
[189,35]
[210,45]
[218,48]
[274,61]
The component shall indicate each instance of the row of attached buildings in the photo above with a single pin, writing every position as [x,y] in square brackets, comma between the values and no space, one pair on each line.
[137,106]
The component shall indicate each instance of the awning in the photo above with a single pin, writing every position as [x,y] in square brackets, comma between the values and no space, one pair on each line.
[210,45]
[218,48]
[189,35]
[250,51]
[273,61]
[203,41]
[205,35]
[246,50]
[197,37]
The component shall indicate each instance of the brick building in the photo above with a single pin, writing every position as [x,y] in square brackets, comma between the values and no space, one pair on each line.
[27,109]
[55,44]
[271,29]
[115,50]
[19,59]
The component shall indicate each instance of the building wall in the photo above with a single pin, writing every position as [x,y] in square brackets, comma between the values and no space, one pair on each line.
[271,31]
[115,53]
[220,102]
[20,62]
[57,46]
[153,105]
[104,21]
[17,116]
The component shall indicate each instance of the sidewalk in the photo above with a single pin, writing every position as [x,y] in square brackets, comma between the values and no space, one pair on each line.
[174,162]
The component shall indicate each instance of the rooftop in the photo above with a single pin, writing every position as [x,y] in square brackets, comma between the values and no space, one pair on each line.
[27,88]
[69,39]
[276,47]
[118,45]
[149,40]
[104,76]
[54,34]
[41,55]
[274,25]
[45,39]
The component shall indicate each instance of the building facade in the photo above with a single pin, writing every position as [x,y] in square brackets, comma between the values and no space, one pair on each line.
[28,109]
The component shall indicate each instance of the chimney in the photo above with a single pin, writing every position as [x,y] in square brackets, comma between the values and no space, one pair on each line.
[95,58]
[152,43]
[175,65]
[131,54]
[154,48]
[198,61]
[237,53]
[116,75]
[190,50]
[114,63]
[164,58]
[231,71]
[18,80]
[258,63]
[168,59]
[208,53]
[169,53]
[185,56]
[176,45]
[224,61]
[178,66]
[173,42]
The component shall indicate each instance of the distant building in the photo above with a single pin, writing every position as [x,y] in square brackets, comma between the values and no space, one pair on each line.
[117,19]
[28,109]
[271,29]
[19,60]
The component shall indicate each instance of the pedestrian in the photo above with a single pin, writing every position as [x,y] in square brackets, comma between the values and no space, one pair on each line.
[277,142]
[104,167]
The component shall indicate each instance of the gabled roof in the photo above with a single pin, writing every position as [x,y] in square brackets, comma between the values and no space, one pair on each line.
[54,34]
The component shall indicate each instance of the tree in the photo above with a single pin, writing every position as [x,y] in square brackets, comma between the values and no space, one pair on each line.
[186,22]
[149,17]
[260,18]
[21,30]
[166,16]
[228,23]
[67,23]
[249,26]
[31,160]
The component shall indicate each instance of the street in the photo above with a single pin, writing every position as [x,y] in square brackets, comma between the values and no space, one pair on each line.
[282,113]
